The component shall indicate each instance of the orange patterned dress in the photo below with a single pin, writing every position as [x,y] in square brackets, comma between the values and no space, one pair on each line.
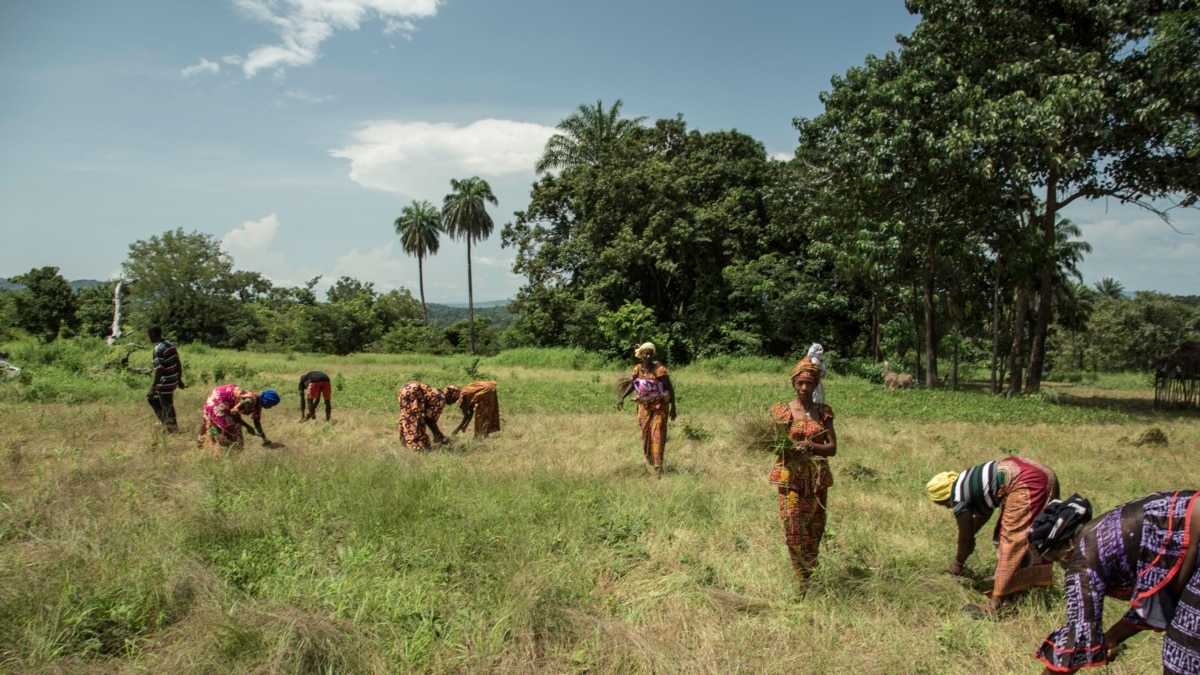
[803,482]
[654,404]
[481,397]
[419,403]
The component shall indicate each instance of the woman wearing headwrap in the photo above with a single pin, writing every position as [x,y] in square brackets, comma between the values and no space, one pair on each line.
[479,400]
[802,473]
[656,401]
[421,406]
[1143,551]
[1020,488]
[222,424]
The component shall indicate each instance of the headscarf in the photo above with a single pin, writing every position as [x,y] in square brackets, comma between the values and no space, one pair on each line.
[644,347]
[268,398]
[1058,522]
[816,354]
[806,370]
[940,486]
[451,393]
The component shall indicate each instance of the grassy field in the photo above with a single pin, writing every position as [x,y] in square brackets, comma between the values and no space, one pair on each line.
[547,548]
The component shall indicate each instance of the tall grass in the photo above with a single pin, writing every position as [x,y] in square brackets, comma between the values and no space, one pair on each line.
[546,548]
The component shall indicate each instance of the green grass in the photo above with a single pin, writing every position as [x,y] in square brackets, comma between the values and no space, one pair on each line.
[547,548]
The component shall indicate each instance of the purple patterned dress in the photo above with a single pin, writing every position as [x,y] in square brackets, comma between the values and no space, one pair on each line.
[1131,553]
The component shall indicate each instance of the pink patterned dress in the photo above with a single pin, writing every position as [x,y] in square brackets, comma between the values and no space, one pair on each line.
[222,409]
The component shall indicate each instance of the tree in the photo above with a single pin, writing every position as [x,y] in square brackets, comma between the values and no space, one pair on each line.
[1110,288]
[586,137]
[184,282]
[465,216]
[420,229]
[46,304]
[96,309]
[1073,101]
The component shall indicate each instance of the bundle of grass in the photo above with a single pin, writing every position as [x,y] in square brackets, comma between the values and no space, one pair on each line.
[622,383]
[762,434]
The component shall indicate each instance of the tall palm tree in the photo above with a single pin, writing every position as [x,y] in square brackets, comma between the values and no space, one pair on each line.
[420,230]
[586,135]
[465,216]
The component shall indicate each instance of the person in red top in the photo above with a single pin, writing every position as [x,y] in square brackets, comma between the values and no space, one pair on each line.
[801,472]
[656,401]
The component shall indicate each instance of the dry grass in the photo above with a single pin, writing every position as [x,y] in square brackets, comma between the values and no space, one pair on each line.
[547,548]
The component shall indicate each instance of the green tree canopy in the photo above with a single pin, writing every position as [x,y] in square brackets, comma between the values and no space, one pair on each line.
[46,304]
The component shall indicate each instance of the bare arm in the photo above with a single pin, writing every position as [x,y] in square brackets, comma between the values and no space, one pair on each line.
[824,444]
[437,433]
[468,412]
[621,401]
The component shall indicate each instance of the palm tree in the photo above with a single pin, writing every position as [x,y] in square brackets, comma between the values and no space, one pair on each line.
[465,216]
[420,230]
[586,135]
[1109,287]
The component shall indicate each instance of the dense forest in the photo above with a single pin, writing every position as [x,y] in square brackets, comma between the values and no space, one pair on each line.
[919,221]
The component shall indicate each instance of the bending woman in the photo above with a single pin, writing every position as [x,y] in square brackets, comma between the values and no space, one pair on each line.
[802,473]
[479,400]
[1021,488]
[420,407]
[224,409]
[1143,551]
[656,401]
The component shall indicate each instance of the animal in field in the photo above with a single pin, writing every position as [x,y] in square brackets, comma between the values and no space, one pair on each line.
[896,380]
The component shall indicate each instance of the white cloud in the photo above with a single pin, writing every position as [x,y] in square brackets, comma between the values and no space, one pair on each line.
[784,156]
[250,246]
[205,66]
[379,265]
[306,96]
[1137,249]
[302,25]
[419,158]
[489,261]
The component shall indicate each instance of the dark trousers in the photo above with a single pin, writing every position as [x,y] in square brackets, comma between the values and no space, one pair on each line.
[163,404]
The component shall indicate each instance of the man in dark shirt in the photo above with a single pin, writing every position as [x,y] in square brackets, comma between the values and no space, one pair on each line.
[313,385]
[168,375]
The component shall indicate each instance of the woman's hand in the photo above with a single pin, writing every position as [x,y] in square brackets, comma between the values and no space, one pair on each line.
[621,404]
[956,568]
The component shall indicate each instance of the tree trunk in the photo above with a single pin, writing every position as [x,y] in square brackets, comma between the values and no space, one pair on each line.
[931,376]
[876,338]
[1037,352]
[996,378]
[470,296]
[421,281]
[1017,355]
[917,342]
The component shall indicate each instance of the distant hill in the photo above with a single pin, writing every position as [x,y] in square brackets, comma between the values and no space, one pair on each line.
[496,310]
[6,285]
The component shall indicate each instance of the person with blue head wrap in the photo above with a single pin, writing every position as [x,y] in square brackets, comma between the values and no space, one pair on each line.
[224,410]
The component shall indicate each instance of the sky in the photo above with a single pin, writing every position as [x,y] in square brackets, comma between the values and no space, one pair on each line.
[295,131]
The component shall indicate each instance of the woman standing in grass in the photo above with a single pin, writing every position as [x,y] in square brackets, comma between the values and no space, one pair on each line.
[1143,551]
[479,400]
[801,472]
[224,408]
[656,401]
[1020,488]
[420,407]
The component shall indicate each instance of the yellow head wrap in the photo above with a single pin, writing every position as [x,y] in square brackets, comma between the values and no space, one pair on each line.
[806,370]
[644,347]
[939,486]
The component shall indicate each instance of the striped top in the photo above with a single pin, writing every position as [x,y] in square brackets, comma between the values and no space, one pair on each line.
[166,367]
[978,490]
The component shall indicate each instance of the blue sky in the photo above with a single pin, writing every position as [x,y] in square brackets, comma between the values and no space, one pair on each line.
[295,130]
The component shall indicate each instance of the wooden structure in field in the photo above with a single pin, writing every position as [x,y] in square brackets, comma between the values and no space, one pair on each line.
[1177,378]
